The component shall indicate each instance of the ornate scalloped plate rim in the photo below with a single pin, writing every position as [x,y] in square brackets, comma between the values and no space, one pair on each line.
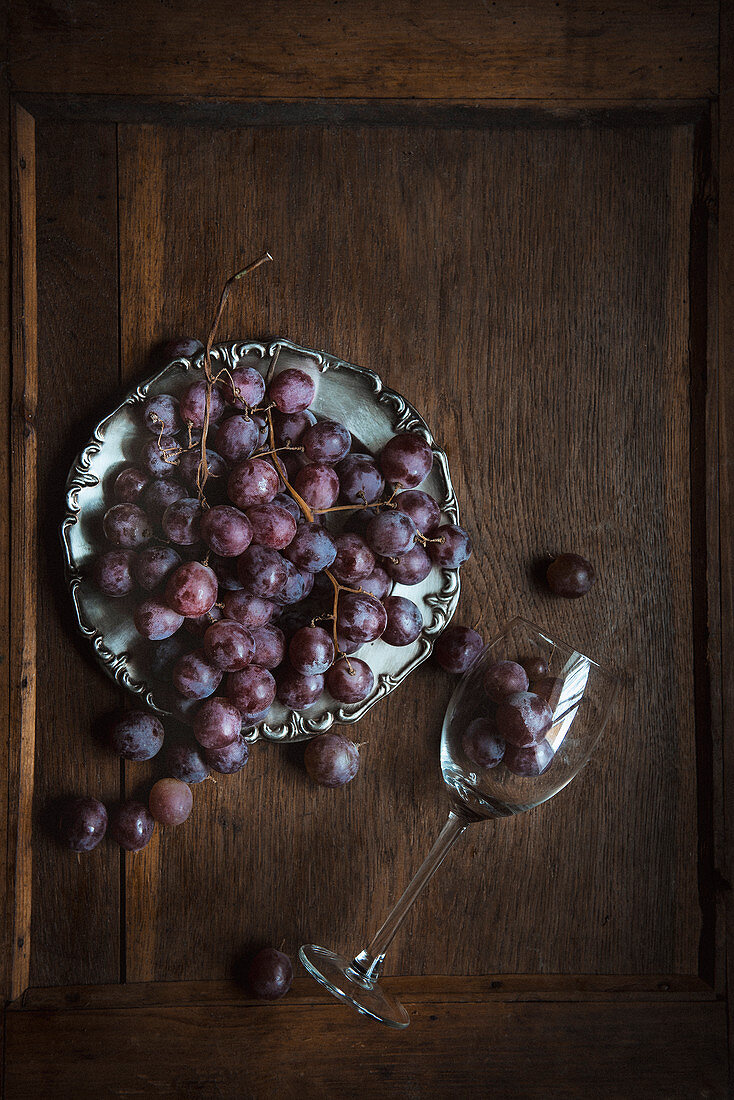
[299,726]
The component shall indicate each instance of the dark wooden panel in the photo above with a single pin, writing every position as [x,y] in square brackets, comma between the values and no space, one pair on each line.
[502,1050]
[633,49]
[726,463]
[23,530]
[76,922]
[528,290]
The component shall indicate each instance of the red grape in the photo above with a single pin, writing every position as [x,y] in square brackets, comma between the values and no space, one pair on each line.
[262,571]
[312,548]
[523,718]
[503,678]
[229,645]
[350,680]
[406,460]
[294,588]
[454,549]
[160,457]
[82,823]
[378,583]
[570,575]
[482,743]
[311,650]
[129,485]
[297,691]
[153,565]
[226,573]
[317,484]
[345,646]
[132,825]
[216,723]
[195,678]
[359,479]
[360,618]
[269,646]
[390,533]
[421,508]
[457,649]
[354,560]
[251,690]
[170,801]
[113,571]
[164,654]
[530,760]
[536,667]
[248,383]
[134,734]
[410,567]
[292,390]
[185,762]
[229,758]
[160,413]
[270,974]
[159,493]
[287,502]
[331,760]
[289,429]
[216,469]
[404,621]
[328,441]
[226,530]
[247,609]
[548,688]
[192,406]
[192,589]
[181,521]
[155,620]
[253,481]
[185,347]
[272,525]
[236,438]
[127,526]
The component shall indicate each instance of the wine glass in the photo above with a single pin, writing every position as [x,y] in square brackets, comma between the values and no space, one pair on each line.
[510,741]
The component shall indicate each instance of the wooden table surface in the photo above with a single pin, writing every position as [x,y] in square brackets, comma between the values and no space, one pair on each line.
[520,215]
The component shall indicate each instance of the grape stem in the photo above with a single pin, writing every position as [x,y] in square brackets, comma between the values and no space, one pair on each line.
[281,470]
[337,589]
[202,472]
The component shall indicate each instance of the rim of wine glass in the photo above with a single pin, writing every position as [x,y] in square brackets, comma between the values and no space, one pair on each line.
[606,669]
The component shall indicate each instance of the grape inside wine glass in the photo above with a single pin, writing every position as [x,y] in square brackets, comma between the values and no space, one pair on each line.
[520,725]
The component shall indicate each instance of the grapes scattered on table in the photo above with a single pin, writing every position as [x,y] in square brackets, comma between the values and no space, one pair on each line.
[570,575]
[331,760]
[270,974]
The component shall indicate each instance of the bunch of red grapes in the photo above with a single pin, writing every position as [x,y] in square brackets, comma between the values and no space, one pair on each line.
[244,573]
[246,595]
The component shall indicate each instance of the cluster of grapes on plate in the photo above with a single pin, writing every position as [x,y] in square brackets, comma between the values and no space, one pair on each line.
[244,593]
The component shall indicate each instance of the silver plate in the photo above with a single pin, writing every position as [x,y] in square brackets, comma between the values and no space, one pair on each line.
[353,395]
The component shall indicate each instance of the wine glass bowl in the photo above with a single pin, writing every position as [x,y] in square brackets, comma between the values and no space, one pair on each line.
[578,693]
[520,725]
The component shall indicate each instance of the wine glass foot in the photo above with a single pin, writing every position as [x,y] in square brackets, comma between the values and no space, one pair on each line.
[337,974]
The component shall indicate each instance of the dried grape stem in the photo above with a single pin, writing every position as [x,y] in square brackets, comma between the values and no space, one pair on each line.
[305,508]
[337,589]
[202,472]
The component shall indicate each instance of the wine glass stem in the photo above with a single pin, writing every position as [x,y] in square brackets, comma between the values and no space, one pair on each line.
[368,963]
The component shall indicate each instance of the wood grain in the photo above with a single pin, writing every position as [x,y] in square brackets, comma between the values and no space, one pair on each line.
[726,466]
[556,374]
[502,1050]
[633,49]
[76,919]
[23,542]
[7,733]
[417,989]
